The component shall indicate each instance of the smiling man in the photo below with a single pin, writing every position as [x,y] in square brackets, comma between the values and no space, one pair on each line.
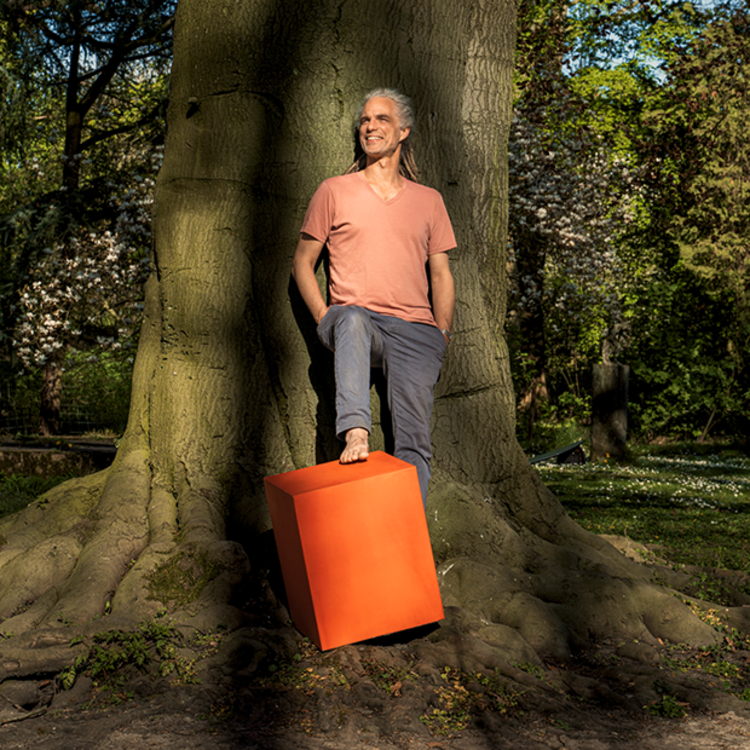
[391,291]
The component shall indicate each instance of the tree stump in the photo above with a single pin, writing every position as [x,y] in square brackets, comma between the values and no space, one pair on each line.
[609,427]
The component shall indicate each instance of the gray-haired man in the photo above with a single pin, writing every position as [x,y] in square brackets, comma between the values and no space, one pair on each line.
[384,231]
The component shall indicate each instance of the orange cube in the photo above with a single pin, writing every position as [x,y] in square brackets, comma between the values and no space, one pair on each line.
[354,549]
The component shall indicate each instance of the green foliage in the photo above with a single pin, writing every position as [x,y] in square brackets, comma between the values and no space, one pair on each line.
[17,491]
[685,379]
[709,587]
[668,707]
[308,669]
[691,356]
[81,115]
[721,665]
[663,87]
[96,396]
[533,669]
[388,678]
[155,642]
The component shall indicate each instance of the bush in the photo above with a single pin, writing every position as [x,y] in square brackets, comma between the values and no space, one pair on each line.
[95,397]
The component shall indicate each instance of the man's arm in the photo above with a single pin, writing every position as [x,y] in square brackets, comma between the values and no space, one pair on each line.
[303,269]
[443,291]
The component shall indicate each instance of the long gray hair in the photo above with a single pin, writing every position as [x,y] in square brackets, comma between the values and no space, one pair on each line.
[407,167]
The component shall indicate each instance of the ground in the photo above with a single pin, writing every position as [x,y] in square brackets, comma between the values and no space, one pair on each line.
[161,723]
[245,678]
[274,690]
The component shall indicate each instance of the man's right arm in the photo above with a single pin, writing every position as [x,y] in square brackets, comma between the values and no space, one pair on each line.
[303,269]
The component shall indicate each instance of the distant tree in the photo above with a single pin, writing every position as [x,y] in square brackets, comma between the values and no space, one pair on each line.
[570,192]
[694,149]
[98,70]
[621,174]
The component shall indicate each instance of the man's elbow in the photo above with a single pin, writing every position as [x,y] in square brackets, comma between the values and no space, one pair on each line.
[444,279]
[297,268]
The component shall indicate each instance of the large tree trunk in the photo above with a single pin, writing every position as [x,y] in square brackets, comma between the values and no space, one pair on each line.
[231,385]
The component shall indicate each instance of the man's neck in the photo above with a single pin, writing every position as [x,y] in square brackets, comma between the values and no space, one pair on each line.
[384,176]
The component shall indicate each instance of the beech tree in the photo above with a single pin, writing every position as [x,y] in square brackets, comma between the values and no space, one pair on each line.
[230,384]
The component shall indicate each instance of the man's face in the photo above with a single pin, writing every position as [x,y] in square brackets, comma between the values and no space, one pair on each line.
[380,131]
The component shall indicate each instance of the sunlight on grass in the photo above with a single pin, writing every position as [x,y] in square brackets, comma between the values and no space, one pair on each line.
[695,506]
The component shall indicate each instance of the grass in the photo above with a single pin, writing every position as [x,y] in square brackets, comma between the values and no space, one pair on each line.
[692,501]
[17,491]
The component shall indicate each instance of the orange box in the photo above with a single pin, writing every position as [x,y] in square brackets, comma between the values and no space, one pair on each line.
[354,549]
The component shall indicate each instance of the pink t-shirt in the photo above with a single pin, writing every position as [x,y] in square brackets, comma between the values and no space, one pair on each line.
[378,249]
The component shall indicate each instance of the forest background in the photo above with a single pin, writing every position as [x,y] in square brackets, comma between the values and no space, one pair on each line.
[628,214]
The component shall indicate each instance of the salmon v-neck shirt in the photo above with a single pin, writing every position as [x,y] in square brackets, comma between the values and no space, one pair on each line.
[378,249]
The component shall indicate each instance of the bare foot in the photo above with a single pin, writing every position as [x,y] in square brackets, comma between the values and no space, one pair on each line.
[356,446]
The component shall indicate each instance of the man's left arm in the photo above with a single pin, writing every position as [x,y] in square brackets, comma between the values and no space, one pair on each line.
[443,291]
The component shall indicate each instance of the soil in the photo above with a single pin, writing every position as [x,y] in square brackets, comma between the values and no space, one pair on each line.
[162,723]
[269,689]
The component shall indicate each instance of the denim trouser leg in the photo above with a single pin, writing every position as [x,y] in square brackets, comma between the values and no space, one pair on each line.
[411,355]
[357,344]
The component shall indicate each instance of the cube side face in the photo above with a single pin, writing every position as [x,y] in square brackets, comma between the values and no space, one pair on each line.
[281,507]
[368,557]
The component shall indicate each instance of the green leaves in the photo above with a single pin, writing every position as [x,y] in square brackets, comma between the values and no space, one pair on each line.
[661,87]
[154,642]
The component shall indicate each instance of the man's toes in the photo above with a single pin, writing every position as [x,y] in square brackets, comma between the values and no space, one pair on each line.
[355,452]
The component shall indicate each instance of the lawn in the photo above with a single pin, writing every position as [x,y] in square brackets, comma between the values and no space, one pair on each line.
[691,501]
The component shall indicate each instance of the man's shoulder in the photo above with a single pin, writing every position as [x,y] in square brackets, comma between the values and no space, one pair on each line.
[425,194]
[341,182]
[426,189]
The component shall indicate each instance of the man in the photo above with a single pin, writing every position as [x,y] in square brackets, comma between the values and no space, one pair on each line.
[383,232]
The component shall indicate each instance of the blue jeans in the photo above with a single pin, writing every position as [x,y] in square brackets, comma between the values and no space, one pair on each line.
[410,354]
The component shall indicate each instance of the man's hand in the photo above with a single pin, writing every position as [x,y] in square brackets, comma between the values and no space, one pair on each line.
[303,269]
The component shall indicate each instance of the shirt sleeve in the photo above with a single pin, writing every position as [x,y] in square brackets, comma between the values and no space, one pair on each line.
[442,238]
[319,215]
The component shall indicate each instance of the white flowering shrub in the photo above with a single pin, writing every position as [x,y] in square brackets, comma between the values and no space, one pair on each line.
[85,292]
[569,199]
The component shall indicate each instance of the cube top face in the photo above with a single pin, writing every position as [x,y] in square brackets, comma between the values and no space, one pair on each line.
[334,473]
[354,549]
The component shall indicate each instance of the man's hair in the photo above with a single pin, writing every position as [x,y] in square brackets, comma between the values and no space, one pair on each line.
[402,102]
[406,166]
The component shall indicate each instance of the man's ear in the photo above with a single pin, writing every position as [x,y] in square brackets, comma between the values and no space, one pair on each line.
[404,134]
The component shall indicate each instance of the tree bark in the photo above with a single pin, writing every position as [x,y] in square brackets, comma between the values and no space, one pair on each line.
[531,256]
[231,385]
[50,395]
[609,427]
